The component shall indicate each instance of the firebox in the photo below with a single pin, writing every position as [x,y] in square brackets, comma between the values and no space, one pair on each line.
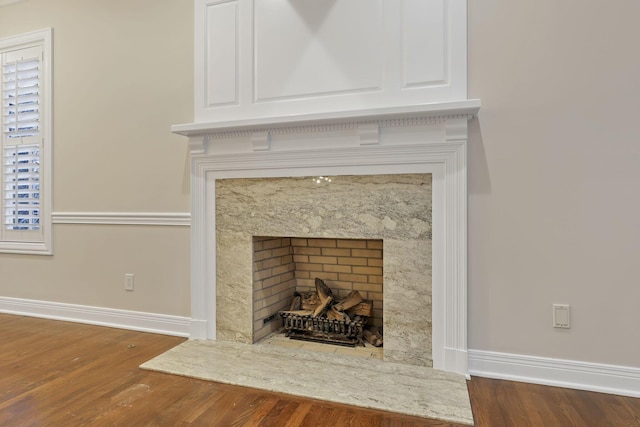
[286,273]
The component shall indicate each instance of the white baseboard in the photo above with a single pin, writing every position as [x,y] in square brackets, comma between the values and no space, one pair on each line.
[114,318]
[613,379]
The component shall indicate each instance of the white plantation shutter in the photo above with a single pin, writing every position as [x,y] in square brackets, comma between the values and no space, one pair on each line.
[25,143]
[21,95]
[21,187]
[21,142]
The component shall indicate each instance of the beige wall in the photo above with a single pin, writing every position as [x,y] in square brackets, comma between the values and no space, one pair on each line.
[88,268]
[553,178]
[553,166]
[123,74]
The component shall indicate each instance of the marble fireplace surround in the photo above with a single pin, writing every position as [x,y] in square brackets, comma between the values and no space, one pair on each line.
[422,139]
[395,208]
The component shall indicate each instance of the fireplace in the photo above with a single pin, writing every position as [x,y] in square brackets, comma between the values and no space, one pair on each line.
[388,100]
[427,140]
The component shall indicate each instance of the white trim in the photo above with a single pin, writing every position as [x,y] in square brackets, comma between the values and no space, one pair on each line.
[44,244]
[123,218]
[251,91]
[437,110]
[8,2]
[124,319]
[25,248]
[613,379]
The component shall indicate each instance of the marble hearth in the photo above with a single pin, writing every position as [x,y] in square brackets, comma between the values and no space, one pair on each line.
[401,176]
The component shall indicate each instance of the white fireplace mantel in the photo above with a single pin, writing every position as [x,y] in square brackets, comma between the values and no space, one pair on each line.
[428,138]
[432,110]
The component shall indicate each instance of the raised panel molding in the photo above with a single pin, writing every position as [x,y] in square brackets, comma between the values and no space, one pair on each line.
[221,53]
[424,42]
[258,59]
[311,55]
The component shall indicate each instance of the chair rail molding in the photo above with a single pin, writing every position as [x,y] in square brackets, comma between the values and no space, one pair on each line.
[182,219]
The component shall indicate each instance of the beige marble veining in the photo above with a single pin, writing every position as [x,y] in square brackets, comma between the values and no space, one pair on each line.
[394,208]
[407,301]
[234,294]
[376,384]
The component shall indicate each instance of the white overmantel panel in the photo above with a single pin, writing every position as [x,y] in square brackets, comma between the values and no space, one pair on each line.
[261,59]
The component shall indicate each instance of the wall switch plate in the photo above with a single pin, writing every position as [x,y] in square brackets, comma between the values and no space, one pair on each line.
[561,316]
[128,282]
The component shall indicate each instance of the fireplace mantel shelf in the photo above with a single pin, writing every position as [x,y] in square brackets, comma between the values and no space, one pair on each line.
[468,108]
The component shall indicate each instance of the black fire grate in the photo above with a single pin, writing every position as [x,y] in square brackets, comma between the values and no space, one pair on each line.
[309,328]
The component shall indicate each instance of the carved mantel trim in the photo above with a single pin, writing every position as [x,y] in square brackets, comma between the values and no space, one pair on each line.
[368,122]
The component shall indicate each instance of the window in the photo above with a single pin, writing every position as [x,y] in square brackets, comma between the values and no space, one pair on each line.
[25,82]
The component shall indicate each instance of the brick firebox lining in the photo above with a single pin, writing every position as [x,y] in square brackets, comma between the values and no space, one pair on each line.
[282,265]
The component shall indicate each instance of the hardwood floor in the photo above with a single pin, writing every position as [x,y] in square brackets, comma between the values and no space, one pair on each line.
[65,374]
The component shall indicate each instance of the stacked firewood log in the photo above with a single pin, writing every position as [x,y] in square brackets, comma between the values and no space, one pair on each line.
[323,303]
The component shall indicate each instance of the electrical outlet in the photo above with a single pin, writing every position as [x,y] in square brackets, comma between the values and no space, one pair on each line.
[128,282]
[561,316]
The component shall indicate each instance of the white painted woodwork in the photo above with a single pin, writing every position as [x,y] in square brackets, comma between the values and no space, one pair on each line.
[7,2]
[222,53]
[260,59]
[424,40]
[598,377]
[319,60]
[411,139]
[288,88]
[123,218]
[110,317]
[38,243]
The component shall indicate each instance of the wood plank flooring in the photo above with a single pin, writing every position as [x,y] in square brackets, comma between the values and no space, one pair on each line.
[65,374]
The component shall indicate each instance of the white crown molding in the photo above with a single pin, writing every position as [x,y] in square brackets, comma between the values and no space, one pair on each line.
[613,379]
[123,218]
[124,319]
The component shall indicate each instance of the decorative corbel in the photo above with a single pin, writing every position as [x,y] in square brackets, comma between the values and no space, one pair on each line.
[456,129]
[197,144]
[369,133]
[261,141]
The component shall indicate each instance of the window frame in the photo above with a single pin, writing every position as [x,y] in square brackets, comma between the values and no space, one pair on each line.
[26,243]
